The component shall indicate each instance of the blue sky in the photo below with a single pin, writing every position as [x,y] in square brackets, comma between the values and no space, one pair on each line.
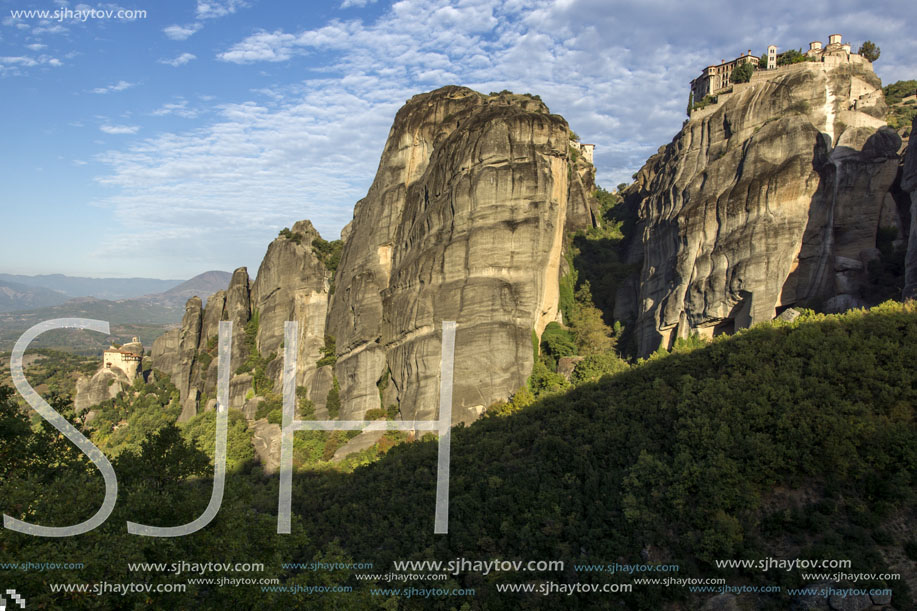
[183,140]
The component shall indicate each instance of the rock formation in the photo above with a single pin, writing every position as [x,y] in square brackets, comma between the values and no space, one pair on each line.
[770,198]
[909,185]
[465,221]
[121,365]
[105,384]
[292,284]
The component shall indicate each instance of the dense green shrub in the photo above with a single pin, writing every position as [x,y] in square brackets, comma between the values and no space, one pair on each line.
[556,342]
[742,74]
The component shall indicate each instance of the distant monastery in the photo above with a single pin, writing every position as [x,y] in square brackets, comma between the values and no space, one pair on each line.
[716,78]
[127,358]
[586,150]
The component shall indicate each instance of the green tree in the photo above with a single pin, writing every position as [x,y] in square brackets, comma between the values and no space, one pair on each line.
[590,333]
[329,356]
[556,342]
[742,74]
[792,56]
[333,400]
[329,253]
[870,51]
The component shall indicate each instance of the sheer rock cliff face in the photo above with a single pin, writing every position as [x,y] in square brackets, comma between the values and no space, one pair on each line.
[909,185]
[292,284]
[770,199]
[464,221]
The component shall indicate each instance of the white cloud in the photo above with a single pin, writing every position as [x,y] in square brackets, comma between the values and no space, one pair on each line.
[182,32]
[618,71]
[179,109]
[18,61]
[14,65]
[36,46]
[211,9]
[118,130]
[119,86]
[260,47]
[181,60]
[358,3]
[47,27]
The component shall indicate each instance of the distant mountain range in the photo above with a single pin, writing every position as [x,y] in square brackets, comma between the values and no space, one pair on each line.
[17,296]
[100,288]
[31,292]
[146,315]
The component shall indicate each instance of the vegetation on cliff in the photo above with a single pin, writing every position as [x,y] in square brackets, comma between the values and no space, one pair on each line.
[684,454]
[901,111]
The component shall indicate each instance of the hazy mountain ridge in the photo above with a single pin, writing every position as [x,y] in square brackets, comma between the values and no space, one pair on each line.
[17,296]
[146,316]
[100,288]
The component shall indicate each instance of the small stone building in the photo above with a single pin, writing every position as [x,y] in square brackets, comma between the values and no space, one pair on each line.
[835,46]
[128,358]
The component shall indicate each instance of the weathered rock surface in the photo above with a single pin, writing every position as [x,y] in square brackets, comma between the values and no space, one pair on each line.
[464,221]
[105,384]
[909,185]
[292,284]
[857,602]
[363,441]
[760,202]
[174,353]
[266,440]
[238,310]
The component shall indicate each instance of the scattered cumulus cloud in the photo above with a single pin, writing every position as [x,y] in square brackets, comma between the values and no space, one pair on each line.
[262,46]
[618,71]
[179,109]
[182,32]
[36,46]
[119,130]
[15,65]
[119,86]
[357,3]
[211,9]
[181,60]
[47,27]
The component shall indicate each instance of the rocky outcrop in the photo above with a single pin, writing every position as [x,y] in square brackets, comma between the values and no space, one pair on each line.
[292,284]
[465,221]
[105,384]
[238,310]
[266,438]
[909,185]
[121,365]
[174,353]
[769,199]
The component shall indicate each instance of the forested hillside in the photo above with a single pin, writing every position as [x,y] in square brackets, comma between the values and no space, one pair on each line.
[792,438]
